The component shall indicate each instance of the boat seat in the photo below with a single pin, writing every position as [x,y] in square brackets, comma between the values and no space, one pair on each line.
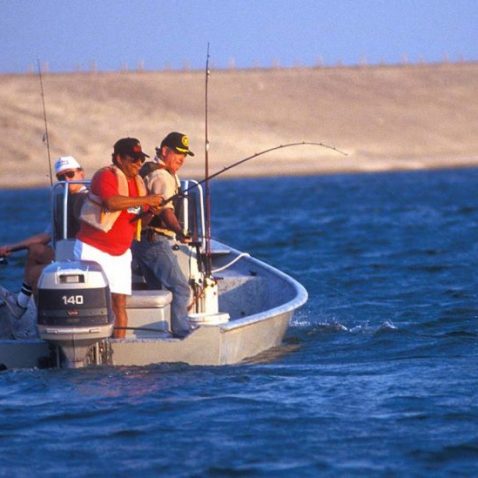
[149,313]
[148,299]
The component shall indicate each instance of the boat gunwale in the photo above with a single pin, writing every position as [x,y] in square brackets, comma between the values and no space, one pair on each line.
[298,300]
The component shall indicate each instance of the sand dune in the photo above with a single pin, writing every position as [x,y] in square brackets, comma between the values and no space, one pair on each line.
[385,118]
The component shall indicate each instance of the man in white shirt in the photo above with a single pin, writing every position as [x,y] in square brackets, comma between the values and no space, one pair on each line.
[154,253]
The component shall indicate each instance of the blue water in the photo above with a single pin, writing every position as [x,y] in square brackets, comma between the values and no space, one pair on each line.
[378,375]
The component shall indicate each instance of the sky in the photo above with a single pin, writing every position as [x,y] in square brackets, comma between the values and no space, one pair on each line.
[115,35]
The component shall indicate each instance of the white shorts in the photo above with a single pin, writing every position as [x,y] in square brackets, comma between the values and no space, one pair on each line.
[116,268]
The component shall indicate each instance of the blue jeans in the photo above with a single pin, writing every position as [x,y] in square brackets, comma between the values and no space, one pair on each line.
[160,268]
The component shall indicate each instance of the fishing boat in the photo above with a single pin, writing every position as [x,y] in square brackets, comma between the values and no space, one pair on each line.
[240,305]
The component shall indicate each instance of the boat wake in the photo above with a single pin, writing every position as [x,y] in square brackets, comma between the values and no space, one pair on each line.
[334,326]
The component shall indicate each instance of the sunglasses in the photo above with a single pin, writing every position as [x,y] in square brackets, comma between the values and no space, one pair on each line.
[63,176]
[137,159]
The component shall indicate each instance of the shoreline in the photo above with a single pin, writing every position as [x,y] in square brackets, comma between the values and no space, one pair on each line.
[436,167]
[386,117]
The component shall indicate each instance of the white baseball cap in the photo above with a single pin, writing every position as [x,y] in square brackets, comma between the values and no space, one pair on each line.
[66,162]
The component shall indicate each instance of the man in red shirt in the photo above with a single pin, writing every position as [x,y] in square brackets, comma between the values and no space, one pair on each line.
[117,194]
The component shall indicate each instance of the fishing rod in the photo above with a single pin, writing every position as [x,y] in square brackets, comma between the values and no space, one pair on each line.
[46,138]
[208,263]
[260,153]
[3,259]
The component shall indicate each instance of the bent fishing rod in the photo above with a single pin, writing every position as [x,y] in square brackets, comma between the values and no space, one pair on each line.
[241,161]
[237,163]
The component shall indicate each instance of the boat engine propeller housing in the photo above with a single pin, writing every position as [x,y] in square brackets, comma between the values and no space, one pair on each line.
[74,308]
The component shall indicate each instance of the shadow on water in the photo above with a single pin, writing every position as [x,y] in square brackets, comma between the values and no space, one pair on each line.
[275,353]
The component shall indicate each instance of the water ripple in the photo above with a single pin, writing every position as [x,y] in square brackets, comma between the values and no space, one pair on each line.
[377,376]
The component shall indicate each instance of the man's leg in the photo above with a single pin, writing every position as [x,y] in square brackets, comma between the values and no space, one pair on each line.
[178,285]
[166,267]
[121,317]
[118,273]
[158,260]
[142,255]
[39,255]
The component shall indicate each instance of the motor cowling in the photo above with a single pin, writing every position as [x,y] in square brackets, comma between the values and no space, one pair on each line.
[74,308]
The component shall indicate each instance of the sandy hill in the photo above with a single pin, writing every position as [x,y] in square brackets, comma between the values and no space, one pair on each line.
[384,117]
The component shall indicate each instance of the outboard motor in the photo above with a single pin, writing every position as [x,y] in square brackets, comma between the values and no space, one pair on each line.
[74,308]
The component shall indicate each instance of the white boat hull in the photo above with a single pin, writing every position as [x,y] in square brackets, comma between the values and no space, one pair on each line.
[259,299]
[209,345]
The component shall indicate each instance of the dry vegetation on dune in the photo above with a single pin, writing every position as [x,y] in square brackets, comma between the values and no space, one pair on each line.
[384,117]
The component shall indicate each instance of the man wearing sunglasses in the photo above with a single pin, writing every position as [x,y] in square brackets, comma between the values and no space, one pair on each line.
[40,253]
[109,221]
[68,169]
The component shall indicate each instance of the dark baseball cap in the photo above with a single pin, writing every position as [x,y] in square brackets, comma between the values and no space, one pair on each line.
[177,141]
[129,147]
